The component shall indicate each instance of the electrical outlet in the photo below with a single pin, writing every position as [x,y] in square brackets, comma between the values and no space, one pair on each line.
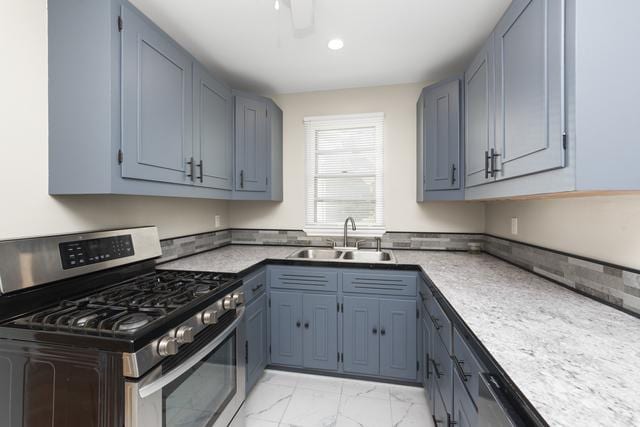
[217,220]
[514,226]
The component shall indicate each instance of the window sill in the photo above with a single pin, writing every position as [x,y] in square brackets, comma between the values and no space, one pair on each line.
[339,232]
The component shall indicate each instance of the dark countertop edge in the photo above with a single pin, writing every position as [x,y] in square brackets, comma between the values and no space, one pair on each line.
[523,407]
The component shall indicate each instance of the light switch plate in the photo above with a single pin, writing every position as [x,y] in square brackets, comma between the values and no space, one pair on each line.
[217,220]
[514,226]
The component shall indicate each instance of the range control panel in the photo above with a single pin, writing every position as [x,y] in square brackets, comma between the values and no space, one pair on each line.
[85,252]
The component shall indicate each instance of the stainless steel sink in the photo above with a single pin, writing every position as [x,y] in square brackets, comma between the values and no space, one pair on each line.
[368,256]
[324,254]
[364,256]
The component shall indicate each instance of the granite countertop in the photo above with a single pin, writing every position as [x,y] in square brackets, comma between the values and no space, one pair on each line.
[575,360]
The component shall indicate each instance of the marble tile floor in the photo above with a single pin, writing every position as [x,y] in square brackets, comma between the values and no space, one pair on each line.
[287,399]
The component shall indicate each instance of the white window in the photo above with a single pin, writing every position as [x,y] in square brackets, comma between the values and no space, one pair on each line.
[344,173]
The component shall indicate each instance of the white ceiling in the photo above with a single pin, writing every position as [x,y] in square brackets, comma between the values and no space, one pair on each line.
[254,47]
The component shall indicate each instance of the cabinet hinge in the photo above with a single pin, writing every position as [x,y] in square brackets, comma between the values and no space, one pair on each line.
[338,307]
[269,302]
[338,357]
[120,24]
[266,181]
[564,141]
[342,307]
[120,157]
[246,352]
[269,348]
[417,313]
[417,365]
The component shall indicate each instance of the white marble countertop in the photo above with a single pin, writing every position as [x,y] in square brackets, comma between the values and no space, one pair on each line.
[576,360]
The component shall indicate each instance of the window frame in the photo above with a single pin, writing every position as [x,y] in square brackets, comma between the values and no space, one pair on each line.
[336,122]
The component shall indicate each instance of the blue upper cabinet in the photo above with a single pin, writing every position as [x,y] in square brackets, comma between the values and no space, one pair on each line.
[212,131]
[156,104]
[139,115]
[440,142]
[479,115]
[251,144]
[529,88]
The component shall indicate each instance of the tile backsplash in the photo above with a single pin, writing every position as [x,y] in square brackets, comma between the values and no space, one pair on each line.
[613,284]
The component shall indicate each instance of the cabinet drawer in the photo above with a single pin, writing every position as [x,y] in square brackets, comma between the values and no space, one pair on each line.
[441,322]
[367,282]
[443,372]
[464,411]
[254,285]
[305,278]
[466,364]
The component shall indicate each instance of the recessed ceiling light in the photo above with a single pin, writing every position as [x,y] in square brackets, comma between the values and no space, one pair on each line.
[336,44]
[276,5]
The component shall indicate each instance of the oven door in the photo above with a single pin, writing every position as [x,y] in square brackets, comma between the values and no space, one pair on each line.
[202,389]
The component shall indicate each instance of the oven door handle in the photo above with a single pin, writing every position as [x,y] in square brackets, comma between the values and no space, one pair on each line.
[159,383]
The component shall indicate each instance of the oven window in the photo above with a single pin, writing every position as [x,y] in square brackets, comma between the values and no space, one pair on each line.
[199,396]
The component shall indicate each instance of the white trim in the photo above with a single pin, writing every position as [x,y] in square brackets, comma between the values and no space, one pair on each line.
[345,117]
[333,232]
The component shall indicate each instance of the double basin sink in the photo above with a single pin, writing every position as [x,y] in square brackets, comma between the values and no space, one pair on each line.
[345,255]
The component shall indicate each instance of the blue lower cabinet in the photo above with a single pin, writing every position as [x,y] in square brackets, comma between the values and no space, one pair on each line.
[443,371]
[286,328]
[398,336]
[465,413]
[320,333]
[440,417]
[256,346]
[361,335]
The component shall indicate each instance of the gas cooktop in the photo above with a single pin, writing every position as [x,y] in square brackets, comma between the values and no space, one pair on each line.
[129,307]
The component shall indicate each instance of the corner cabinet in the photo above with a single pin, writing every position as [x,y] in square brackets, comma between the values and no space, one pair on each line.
[139,115]
[439,145]
[258,148]
[538,102]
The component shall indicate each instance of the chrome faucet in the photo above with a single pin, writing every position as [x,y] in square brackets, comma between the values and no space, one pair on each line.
[353,227]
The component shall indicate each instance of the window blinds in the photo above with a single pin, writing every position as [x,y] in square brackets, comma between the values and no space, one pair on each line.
[344,172]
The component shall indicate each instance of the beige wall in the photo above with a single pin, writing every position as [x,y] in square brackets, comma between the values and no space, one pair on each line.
[25,207]
[606,228]
[401,212]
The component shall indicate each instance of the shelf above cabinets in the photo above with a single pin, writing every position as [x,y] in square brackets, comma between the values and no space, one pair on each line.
[132,112]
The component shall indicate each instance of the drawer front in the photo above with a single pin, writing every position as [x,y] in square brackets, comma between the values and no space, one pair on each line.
[466,364]
[441,323]
[367,282]
[443,371]
[255,285]
[465,413]
[305,278]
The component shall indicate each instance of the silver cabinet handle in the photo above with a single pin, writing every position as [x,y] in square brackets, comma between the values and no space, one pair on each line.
[174,374]
[494,169]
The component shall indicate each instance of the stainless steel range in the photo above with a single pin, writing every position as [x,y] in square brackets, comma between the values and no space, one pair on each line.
[92,335]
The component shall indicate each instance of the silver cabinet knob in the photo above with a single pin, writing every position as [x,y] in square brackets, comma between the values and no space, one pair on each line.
[210,317]
[184,334]
[168,346]
[238,298]
[229,303]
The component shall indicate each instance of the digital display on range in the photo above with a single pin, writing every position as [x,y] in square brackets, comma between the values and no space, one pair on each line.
[85,252]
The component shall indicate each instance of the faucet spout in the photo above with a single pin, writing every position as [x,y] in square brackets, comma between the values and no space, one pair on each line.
[353,227]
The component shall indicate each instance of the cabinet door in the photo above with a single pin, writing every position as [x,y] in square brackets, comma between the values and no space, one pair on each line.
[251,144]
[286,328]
[398,339]
[156,104]
[361,339]
[529,87]
[442,136]
[212,131]
[256,315]
[465,413]
[479,115]
[443,372]
[320,335]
